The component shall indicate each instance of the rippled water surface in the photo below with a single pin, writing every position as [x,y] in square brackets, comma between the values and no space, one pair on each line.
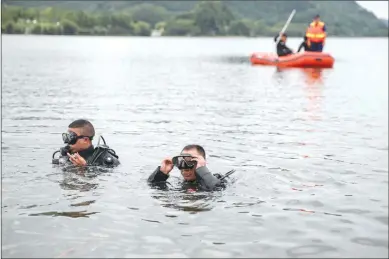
[310,148]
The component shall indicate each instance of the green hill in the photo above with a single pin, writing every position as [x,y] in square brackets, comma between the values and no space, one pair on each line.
[385,21]
[248,18]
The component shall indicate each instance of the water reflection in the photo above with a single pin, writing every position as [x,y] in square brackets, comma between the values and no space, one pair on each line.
[78,179]
[185,199]
[71,214]
[310,250]
[83,203]
[312,87]
[313,91]
[81,179]
[234,60]
[279,75]
[313,76]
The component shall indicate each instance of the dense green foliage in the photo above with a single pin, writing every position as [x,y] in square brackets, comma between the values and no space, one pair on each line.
[195,18]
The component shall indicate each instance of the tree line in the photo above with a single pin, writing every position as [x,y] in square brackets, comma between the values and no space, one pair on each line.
[205,19]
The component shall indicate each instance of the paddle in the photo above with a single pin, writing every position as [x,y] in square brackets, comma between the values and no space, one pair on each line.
[286,25]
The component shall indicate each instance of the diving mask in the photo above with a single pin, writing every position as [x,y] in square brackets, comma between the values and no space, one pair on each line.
[184,161]
[71,138]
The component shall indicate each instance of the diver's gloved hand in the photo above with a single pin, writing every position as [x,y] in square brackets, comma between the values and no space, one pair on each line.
[77,160]
[167,165]
[200,161]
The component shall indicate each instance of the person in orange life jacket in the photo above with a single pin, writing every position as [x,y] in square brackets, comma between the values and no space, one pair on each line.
[282,49]
[306,44]
[193,168]
[316,34]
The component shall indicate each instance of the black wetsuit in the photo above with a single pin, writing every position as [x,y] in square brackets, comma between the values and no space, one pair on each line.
[282,49]
[303,45]
[205,180]
[99,156]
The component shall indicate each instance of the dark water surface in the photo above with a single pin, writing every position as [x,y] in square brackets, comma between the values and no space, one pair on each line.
[310,148]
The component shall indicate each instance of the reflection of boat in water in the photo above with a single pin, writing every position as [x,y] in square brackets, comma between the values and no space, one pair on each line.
[313,90]
[311,80]
[313,75]
[303,59]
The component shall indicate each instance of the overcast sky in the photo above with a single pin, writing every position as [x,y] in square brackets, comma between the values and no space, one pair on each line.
[379,8]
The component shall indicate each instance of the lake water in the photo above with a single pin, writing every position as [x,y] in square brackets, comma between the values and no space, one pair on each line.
[310,148]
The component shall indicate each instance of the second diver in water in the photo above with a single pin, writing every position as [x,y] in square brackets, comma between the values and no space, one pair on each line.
[192,164]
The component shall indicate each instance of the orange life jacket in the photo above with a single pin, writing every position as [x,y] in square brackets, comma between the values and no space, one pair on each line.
[315,32]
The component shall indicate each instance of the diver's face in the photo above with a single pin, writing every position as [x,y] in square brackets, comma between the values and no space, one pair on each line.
[81,143]
[283,38]
[189,174]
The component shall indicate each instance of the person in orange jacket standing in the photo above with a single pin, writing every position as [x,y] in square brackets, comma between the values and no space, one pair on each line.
[316,34]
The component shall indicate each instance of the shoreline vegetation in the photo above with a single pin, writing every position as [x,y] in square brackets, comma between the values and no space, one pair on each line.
[205,19]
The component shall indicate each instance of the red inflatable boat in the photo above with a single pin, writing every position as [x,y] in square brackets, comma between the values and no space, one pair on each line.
[303,59]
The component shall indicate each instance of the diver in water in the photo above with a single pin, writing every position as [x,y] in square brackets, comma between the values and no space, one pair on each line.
[192,164]
[80,150]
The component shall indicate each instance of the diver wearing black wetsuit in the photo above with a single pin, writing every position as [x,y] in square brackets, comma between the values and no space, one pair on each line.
[205,180]
[101,155]
[192,164]
[79,149]
[304,45]
[282,49]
